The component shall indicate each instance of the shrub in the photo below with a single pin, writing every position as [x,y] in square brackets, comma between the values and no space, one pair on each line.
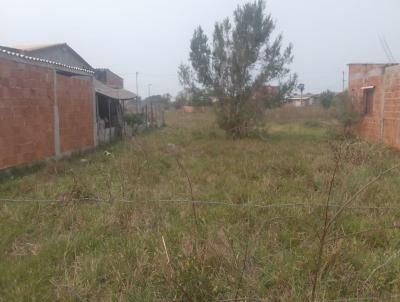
[345,111]
[134,120]
[327,99]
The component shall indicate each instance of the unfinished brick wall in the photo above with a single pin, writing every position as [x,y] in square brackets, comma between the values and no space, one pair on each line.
[30,95]
[391,112]
[26,113]
[114,81]
[109,78]
[362,76]
[383,123]
[75,106]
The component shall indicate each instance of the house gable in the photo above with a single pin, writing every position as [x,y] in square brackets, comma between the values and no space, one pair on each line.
[61,53]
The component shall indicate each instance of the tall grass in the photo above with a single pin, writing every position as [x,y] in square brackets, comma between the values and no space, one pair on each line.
[312,113]
[141,244]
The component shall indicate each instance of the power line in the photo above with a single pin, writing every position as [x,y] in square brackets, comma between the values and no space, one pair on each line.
[389,49]
[386,49]
[153,75]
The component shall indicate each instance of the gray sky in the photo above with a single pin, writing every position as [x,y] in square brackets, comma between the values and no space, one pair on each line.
[153,36]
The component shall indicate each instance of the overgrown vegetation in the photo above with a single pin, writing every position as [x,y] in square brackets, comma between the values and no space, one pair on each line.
[345,111]
[327,99]
[146,242]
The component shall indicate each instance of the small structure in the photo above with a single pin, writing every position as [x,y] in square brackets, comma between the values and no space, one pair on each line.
[111,99]
[51,104]
[194,109]
[300,101]
[374,91]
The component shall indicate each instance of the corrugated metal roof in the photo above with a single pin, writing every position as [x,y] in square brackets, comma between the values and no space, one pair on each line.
[117,94]
[36,49]
[11,53]
[31,47]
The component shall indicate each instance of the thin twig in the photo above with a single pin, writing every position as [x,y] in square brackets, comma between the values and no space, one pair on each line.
[325,230]
[182,167]
[382,265]
[165,249]
[362,232]
[352,198]
[246,252]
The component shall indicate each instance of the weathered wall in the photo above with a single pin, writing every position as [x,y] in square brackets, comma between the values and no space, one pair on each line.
[75,106]
[43,114]
[109,78]
[26,113]
[391,112]
[362,75]
[383,124]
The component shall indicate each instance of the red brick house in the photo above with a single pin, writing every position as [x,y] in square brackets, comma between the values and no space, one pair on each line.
[375,90]
[49,104]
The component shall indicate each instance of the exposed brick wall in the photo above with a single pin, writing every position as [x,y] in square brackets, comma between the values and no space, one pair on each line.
[27,120]
[391,113]
[26,113]
[383,124]
[75,106]
[109,78]
[114,81]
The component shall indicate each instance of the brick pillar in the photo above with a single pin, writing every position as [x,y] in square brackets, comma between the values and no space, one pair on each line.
[95,110]
[56,113]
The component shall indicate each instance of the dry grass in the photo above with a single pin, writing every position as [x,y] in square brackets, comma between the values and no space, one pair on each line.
[146,250]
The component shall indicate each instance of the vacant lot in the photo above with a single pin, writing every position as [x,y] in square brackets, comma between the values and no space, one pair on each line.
[118,225]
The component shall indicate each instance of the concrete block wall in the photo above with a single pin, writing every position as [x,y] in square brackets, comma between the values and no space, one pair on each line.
[75,106]
[26,113]
[42,116]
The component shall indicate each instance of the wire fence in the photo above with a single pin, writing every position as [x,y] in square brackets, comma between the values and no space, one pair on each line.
[386,298]
[235,206]
[256,205]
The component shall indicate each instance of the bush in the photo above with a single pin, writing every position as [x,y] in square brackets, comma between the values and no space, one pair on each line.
[345,111]
[134,119]
[327,99]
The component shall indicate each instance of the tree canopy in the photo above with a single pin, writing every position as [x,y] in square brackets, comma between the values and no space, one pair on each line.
[242,57]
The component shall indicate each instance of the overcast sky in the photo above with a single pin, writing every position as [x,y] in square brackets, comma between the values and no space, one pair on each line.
[152,36]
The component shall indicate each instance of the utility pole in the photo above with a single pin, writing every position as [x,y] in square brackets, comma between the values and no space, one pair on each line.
[137,91]
[137,83]
[301,87]
[149,86]
[344,81]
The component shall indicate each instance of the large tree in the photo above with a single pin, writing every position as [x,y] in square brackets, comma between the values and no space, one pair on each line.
[192,94]
[242,57]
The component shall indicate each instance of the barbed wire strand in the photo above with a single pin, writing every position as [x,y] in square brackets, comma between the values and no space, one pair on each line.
[200,202]
[388,298]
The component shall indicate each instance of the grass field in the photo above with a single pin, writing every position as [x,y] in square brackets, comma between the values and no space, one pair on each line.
[119,225]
